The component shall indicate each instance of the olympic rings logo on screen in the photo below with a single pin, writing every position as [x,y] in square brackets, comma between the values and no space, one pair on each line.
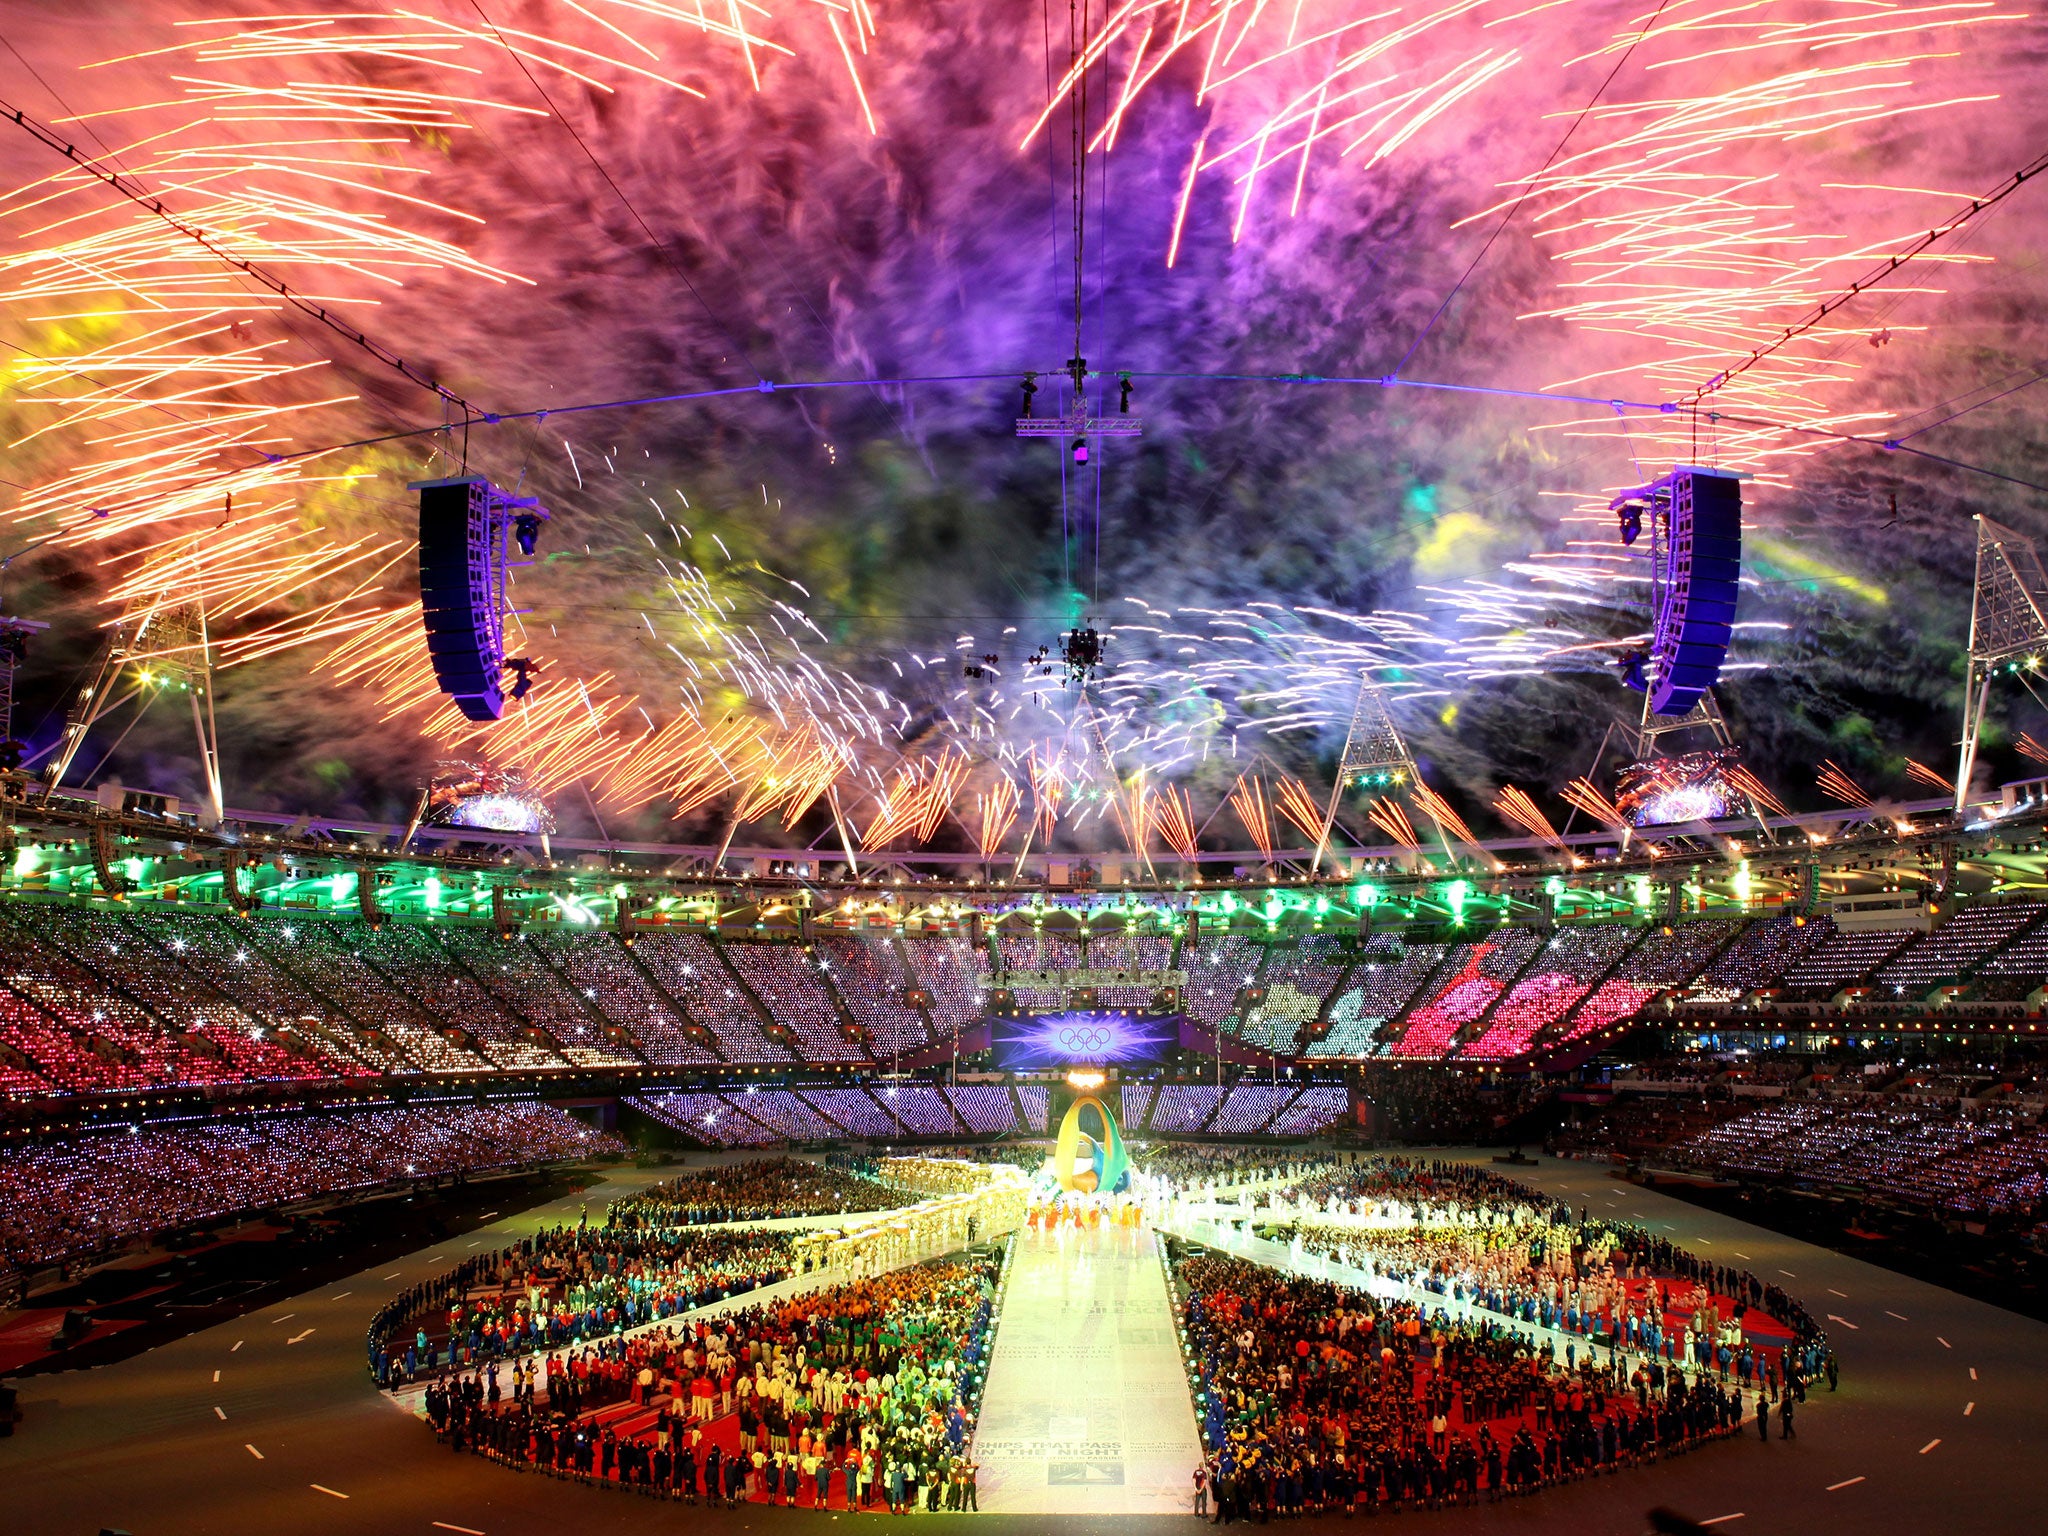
[1085,1037]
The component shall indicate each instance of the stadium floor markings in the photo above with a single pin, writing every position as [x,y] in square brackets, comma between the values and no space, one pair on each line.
[1944,1343]
[394,1274]
[237,1345]
[1740,1254]
[461,1530]
[1788,1274]
[216,1373]
[1973,1373]
[1888,1312]
[220,1412]
[330,1492]
[1833,1292]
[1969,1408]
[1930,1445]
[300,1337]
[286,1318]
[252,1450]
[1846,1483]
[1724,1519]
[344,1296]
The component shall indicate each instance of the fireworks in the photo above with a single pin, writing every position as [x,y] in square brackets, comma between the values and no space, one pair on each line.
[1920,773]
[1836,784]
[1514,806]
[344,159]
[1248,801]
[1584,796]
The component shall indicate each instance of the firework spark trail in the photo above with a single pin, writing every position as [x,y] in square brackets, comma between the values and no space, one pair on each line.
[1248,801]
[1585,796]
[1439,811]
[299,173]
[1387,815]
[2031,749]
[1836,784]
[1173,818]
[1749,784]
[1666,226]
[1293,801]
[1920,773]
[1514,805]
[1675,221]
[995,812]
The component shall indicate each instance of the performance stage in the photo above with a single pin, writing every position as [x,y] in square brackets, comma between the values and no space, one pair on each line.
[1087,1408]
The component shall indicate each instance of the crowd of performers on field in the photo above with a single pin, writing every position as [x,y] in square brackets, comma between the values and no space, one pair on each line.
[756,1190]
[1487,1242]
[1553,1353]
[1074,1212]
[852,1396]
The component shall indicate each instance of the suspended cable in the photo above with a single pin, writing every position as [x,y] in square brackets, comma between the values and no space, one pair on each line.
[1528,191]
[660,246]
[1872,278]
[136,193]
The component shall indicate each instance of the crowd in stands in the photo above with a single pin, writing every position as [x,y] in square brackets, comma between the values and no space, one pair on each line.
[1939,1153]
[1424,1104]
[849,1397]
[752,1189]
[98,1001]
[96,1191]
[912,1109]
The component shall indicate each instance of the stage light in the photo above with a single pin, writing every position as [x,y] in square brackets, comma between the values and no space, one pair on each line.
[1080,450]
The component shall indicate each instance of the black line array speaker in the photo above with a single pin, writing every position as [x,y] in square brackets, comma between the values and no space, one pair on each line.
[460,601]
[1702,577]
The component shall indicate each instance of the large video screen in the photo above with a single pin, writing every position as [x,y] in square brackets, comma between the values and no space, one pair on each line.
[1041,1040]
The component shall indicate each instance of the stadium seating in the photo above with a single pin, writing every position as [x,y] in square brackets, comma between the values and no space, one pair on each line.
[1757,958]
[87,1194]
[692,973]
[1566,968]
[604,971]
[326,958]
[1298,981]
[529,989]
[871,981]
[1377,990]
[1955,950]
[408,955]
[952,973]
[1128,952]
[785,981]
[984,1108]
[1471,977]
[1218,969]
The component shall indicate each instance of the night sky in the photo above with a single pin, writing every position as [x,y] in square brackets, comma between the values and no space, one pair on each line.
[541,206]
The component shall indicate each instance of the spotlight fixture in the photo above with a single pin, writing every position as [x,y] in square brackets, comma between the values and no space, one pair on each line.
[526,531]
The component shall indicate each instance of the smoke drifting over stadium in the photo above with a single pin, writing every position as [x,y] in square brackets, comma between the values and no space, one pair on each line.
[780,606]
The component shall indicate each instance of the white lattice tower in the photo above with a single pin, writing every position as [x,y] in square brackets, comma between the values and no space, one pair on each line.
[1374,756]
[163,649]
[2008,621]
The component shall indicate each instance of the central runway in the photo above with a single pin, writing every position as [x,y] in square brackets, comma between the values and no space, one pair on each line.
[1087,1409]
